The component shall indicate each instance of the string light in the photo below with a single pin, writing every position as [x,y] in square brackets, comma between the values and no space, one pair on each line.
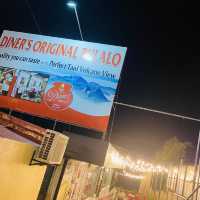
[136,166]
[133,176]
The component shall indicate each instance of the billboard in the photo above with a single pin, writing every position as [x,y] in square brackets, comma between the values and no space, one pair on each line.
[67,80]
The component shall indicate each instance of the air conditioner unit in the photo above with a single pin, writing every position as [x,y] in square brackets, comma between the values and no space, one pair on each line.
[52,148]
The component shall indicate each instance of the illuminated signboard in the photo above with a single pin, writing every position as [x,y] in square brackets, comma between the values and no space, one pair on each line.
[67,80]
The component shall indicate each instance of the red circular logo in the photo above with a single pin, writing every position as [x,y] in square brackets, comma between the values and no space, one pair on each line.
[59,97]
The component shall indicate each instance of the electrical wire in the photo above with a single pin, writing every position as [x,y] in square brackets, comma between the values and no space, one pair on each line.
[157,111]
[33,16]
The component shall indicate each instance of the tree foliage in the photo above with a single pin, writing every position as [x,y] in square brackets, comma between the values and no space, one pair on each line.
[172,151]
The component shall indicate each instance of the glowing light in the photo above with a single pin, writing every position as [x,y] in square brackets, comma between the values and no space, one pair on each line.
[117,159]
[175,171]
[133,176]
[136,166]
[71,4]
[142,166]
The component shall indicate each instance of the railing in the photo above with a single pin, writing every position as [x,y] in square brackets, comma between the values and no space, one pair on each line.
[190,196]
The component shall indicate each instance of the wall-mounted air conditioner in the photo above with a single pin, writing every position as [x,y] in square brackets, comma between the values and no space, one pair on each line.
[52,148]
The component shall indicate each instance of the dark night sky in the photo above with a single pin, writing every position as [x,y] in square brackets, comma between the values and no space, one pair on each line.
[161,67]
